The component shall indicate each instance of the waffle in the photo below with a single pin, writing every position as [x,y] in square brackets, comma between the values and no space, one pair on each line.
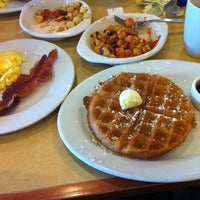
[148,131]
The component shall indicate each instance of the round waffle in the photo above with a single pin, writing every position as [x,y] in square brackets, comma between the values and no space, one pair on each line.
[148,131]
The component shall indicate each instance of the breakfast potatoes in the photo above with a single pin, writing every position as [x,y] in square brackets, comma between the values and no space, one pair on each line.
[118,41]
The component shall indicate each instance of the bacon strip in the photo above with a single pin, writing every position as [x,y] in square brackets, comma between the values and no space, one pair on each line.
[26,83]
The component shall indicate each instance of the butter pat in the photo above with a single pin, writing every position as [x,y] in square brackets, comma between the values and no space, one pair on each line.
[129,98]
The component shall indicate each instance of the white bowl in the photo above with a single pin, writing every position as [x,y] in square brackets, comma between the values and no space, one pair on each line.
[195,95]
[88,54]
[27,21]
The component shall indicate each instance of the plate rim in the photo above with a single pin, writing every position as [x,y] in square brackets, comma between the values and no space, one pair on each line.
[16,118]
[82,46]
[66,138]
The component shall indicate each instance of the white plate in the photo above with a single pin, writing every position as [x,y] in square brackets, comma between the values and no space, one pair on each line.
[12,6]
[48,95]
[181,164]
[27,21]
[88,54]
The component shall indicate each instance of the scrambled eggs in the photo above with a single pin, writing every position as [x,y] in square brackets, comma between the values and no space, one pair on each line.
[10,62]
[3,3]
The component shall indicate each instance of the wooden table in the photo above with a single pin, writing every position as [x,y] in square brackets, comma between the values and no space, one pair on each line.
[35,164]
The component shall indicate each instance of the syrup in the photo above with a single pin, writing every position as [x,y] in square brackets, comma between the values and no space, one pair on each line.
[198,87]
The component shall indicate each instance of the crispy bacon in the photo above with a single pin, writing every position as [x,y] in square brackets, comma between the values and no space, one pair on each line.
[26,83]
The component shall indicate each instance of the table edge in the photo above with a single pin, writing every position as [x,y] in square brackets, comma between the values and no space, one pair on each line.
[96,189]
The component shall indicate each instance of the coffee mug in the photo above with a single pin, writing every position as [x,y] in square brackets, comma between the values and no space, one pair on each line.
[192,28]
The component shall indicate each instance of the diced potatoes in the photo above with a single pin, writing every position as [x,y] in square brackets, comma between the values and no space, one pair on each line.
[62,18]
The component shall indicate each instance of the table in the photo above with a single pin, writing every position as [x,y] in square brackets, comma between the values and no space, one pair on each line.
[34,163]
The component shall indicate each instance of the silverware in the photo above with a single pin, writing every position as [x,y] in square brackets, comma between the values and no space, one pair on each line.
[140,23]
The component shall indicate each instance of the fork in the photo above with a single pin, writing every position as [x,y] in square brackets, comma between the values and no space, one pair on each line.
[140,23]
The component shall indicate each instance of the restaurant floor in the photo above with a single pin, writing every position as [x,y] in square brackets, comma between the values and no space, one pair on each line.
[180,194]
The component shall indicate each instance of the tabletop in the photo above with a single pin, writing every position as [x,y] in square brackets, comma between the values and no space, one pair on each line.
[34,161]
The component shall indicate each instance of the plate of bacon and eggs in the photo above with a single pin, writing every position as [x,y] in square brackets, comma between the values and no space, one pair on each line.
[47,95]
